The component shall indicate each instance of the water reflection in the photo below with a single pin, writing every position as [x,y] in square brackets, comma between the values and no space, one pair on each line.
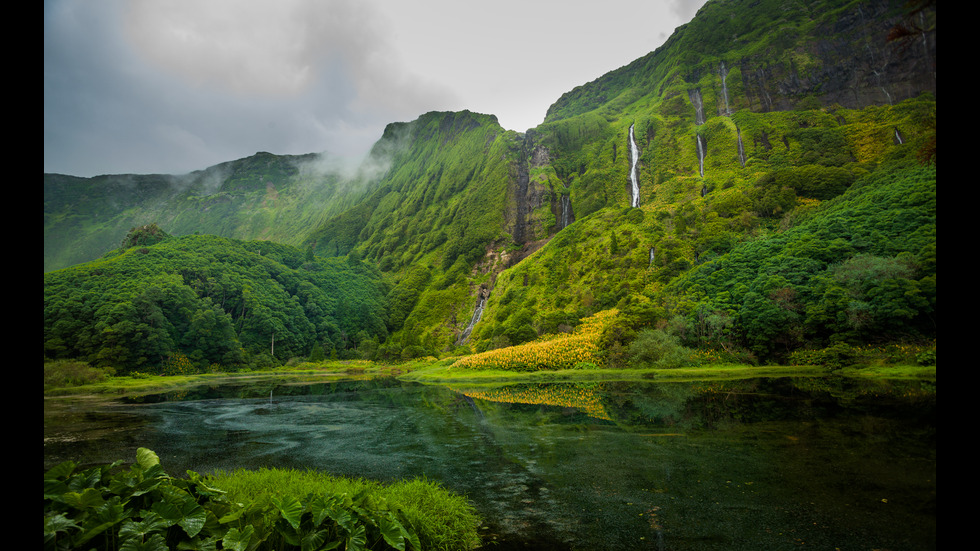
[753,464]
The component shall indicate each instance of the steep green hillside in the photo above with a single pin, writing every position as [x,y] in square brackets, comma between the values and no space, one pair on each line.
[762,183]
[458,205]
[265,196]
[212,300]
[740,131]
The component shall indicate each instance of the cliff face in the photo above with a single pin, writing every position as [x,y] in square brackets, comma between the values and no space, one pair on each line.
[849,62]
[779,56]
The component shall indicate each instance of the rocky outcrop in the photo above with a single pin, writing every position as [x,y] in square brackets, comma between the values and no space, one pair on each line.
[852,64]
[525,195]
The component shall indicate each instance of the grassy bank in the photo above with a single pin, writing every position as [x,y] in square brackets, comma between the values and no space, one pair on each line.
[442,373]
[433,371]
[56,384]
[142,507]
[442,520]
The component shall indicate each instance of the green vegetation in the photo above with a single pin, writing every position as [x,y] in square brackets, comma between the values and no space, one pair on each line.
[812,230]
[194,303]
[807,246]
[110,508]
[265,196]
[65,373]
[441,520]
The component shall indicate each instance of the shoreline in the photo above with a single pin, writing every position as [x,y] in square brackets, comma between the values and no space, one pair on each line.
[441,372]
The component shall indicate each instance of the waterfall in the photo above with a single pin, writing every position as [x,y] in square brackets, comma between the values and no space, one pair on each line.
[701,153]
[634,170]
[898,138]
[566,212]
[741,148]
[724,88]
[473,321]
[653,251]
[695,96]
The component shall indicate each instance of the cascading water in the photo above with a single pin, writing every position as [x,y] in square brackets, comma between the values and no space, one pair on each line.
[741,148]
[898,138]
[701,152]
[634,170]
[477,314]
[695,96]
[724,88]
[653,251]
[566,211]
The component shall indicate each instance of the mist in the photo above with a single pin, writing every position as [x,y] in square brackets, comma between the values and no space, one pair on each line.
[171,87]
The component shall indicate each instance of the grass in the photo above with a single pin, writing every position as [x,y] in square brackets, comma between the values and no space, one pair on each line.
[128,385]
[441,373]
[442,519]
[433,371]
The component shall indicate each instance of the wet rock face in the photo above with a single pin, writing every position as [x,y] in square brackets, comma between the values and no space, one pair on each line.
[854,65]
[525,194]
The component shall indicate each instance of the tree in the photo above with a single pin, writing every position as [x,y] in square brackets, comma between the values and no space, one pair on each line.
[316,354]
[655,348]
[144,236]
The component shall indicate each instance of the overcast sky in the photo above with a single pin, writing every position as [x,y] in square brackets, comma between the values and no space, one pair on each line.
[154,86]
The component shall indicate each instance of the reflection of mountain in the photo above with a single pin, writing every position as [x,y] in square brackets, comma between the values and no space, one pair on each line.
[585,398]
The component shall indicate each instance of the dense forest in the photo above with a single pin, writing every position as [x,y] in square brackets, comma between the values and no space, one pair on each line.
[761,185]
[193,302]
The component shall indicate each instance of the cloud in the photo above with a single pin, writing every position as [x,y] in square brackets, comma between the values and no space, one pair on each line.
[685,10]
[152,86]
[172,86]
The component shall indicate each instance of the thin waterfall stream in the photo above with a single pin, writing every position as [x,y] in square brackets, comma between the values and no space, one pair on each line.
[634,170]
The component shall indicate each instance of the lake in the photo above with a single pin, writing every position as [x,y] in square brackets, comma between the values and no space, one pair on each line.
[776,463]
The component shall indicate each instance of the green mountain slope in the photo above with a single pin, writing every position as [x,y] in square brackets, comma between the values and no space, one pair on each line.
[761,183]
[265,196]
[212,299]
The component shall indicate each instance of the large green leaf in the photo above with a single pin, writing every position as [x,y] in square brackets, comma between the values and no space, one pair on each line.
[180,508]
[237,540]
[147,458]
[108,515]
[200,544]
[57,523]
[314,540]
[290,508]
[332,506]
[90,498]
[156,543]
[357,541]
[408,531]
[151,522]
[392,531]
[60,471]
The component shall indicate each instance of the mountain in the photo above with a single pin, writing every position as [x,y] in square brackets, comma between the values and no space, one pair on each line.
[265,196]
[762,182]
[208,300]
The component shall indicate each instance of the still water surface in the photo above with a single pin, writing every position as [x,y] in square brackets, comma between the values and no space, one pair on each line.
[784,463]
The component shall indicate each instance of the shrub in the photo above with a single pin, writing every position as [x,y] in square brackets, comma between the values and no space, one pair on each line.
[178,364]
[59,373]
[654,348]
